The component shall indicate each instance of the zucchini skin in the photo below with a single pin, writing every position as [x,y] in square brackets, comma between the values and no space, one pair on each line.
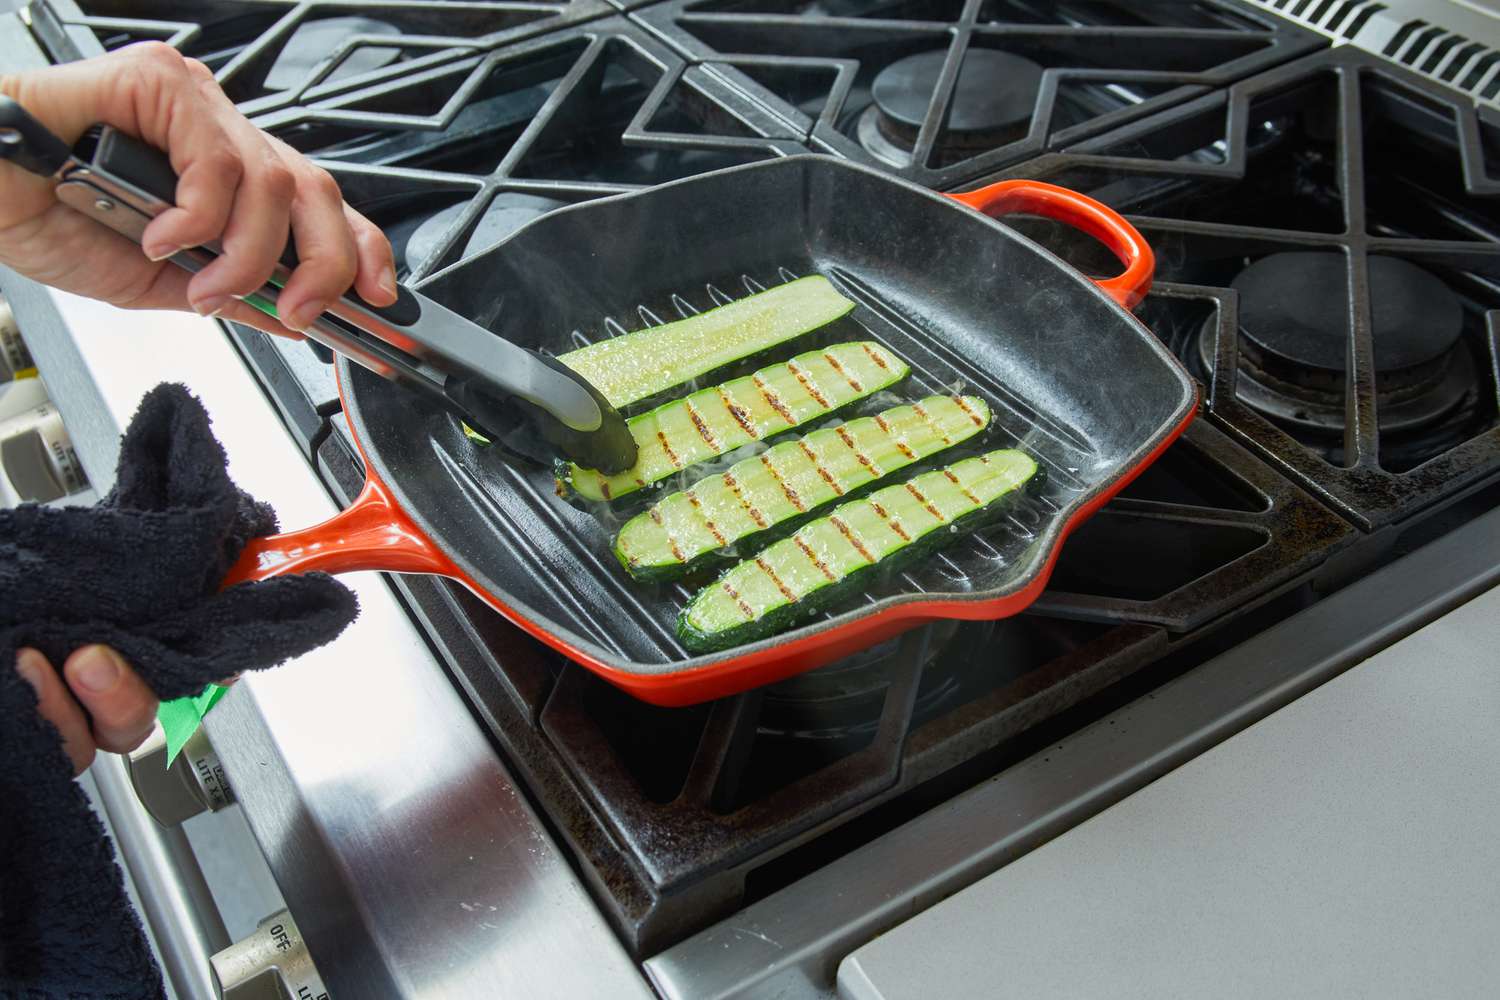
[638,365]
[698,640]
[946,421]
[763,405]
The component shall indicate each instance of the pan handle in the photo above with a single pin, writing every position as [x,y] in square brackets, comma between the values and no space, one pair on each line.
[1082,212]
[372,533]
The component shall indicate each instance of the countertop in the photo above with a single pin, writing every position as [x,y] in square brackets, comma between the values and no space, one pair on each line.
[1344,846]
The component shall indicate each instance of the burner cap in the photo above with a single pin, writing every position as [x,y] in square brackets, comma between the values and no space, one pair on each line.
[315,42]
[1294,306]
[509,211]
[996,91]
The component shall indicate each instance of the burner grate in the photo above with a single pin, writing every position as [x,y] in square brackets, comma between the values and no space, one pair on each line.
[455,157]
[1377,389]
[677,814]
[270,54]
[944,90]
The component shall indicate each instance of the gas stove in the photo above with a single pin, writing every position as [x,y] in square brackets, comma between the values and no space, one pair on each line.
[1332,284]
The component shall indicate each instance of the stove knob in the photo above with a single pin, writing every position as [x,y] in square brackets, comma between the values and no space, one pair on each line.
[271,964]
[14,358]
[194,782]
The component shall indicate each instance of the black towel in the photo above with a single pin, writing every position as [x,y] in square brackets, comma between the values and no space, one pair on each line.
[140,572]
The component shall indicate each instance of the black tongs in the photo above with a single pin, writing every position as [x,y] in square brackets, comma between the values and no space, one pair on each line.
[508,393]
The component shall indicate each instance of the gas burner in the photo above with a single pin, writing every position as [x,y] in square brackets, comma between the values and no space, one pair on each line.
[992,104]
[835,710]
[1294,343]
[315,42]
[509,211]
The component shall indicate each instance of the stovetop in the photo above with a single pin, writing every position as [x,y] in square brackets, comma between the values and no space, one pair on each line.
[1332,284]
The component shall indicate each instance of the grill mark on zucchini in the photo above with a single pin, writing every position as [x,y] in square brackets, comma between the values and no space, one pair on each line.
[924,501]
[745,609]
[833,363]
[890,522]
[901,445]
[927,419]
[874,356]
[826,562]
[786,487]
[769,494]
[707,521]
[666,446]
[812,557]
[972,416]
[818,464]
[703,431]
[808,384]
[786,591]
[711,421]
[849,534]
[750,508]
[737,411]
[862,458]
[961,487]
[771,398]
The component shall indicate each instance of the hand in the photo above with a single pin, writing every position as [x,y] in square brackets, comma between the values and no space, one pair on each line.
[235,184]
[96,678]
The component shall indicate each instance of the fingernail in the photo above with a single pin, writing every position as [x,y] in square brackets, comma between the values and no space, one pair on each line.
[212,306]
[98,669]
[158,252]
[388,282]
[30,664]
[301,318]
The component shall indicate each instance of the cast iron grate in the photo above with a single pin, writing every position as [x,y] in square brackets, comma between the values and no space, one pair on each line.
[1372,373]
[453,158]
[270,54]
[944,90]
[674,811]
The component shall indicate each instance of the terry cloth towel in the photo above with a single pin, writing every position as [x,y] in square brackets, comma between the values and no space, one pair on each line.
[140,572]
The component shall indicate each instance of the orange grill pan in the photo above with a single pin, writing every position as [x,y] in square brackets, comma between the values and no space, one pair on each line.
[1070,374]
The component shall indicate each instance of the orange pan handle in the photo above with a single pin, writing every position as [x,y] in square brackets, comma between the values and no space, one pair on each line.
[372,533]
[1082,212]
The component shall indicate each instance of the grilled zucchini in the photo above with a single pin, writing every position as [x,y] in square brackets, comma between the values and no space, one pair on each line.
[775,489]
[637,365]
[716,421]
[833,557]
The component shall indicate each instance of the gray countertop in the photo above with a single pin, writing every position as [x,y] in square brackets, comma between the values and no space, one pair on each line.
[1345,846]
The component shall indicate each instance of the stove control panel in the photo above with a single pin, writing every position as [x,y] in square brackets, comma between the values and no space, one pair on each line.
[270,964]
[194,782]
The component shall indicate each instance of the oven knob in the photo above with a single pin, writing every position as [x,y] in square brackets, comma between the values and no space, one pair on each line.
[271,964]
[15,360]
[193,783]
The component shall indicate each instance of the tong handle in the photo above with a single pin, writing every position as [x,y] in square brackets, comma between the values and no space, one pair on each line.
[28,143]
[415,341]
[148,168]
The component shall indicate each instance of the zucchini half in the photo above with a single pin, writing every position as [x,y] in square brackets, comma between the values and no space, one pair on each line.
[715,421]
[835,557]
[776,488]
[638,365]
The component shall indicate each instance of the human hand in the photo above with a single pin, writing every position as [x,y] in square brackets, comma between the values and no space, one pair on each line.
[95,678]
[235,184]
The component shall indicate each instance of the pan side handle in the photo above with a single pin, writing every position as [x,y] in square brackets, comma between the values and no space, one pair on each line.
[372,533]
[1024,197]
